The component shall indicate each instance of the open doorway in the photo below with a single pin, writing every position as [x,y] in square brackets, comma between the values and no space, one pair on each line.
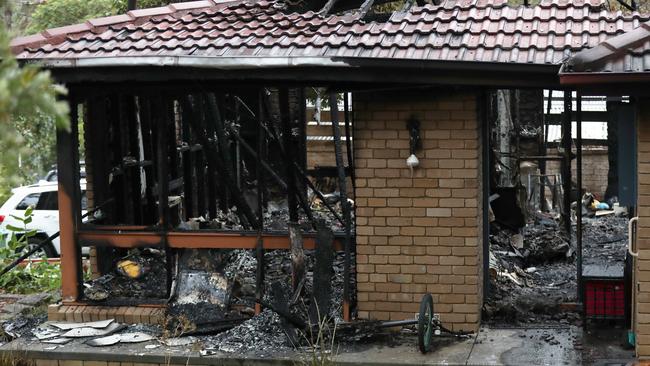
[561,192]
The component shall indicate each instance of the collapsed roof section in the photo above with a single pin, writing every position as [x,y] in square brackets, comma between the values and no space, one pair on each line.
[475,35]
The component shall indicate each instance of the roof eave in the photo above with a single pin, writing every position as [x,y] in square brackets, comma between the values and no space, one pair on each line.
[599,78]
[448,72]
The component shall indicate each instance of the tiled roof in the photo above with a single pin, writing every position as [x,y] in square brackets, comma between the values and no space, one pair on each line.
[456,30]
[628,53]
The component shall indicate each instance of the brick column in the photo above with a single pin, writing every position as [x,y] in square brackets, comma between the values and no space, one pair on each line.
[642,272]
[422,233]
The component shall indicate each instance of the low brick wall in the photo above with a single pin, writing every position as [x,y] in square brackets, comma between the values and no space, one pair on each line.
[121,314]
[420,233]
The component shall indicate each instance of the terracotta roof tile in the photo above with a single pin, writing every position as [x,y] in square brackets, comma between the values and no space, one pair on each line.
[464,30]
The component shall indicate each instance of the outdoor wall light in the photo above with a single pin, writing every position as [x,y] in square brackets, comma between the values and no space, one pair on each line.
[415,143]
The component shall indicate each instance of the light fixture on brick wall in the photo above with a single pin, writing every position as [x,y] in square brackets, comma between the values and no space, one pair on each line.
[415,143]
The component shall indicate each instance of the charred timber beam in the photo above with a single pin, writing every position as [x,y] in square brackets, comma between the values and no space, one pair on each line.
[164,124]
[365,7]
[194,240]
[225,160]
[274,134]
[544,151]
[579,197]
[161,123]
[194,120]
[187,159]
[327,7]
[207,136]
[345,204]
[566,163]
[262,162]
[348,138]
[319,195]
[297,253]
[259,245]
[299,172]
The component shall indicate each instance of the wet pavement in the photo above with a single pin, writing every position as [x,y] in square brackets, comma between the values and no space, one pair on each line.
[541,345]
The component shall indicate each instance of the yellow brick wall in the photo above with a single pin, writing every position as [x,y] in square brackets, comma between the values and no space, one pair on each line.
[422,233]
[642,318]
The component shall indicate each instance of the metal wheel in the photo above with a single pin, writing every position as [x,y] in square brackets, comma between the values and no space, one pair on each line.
[425,323]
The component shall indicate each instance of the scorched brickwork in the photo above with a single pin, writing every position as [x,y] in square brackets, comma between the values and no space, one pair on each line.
[422,232]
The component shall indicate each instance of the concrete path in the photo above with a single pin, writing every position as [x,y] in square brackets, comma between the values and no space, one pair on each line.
[536,346]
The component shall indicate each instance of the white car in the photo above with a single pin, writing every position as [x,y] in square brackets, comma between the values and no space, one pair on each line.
[43,197]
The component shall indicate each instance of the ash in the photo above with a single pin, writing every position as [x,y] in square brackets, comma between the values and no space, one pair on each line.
[242,264]
[261,334]
[115,285]
[276,218]
[530,282]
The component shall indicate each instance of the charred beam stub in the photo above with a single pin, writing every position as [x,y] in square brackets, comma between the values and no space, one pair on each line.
[323,272]
[295,234]
[345,204]
[259,248]
[566,163]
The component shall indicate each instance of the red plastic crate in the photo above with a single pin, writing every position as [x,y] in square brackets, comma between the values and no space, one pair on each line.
[604,299]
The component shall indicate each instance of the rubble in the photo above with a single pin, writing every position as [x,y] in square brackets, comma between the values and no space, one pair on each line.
[118,284]
[530,280]
[276,217]
[261,334]
[241,266]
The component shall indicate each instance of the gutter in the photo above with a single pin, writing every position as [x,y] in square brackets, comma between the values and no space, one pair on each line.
[587,78]
[252,62]
[594,78]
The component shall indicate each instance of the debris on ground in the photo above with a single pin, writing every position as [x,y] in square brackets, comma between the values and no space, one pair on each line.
[262,333]
[531,279]
[142,274]
[276,217]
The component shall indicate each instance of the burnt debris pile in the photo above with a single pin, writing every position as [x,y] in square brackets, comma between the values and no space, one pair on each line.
[533,271]
[140,273]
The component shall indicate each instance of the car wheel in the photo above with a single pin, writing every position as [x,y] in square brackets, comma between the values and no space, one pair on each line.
[47,249]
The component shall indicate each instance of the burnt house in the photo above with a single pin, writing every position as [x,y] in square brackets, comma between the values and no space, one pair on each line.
[160,89]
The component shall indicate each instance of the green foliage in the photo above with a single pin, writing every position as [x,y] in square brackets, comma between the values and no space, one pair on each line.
[57,13]
[30,110]
[33,277]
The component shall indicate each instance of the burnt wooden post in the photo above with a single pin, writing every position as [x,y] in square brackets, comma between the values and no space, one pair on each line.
[295,234]
[188,166]
[338,151]
[211,152]
[160,110]
[144,104]
[566,162]
[323,271]
[136,151]
[348,137]
[69,194]
[259,247]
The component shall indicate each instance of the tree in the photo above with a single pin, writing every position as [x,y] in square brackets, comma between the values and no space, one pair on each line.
[57,13]
[26,94]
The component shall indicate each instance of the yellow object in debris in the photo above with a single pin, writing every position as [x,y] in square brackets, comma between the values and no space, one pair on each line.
[594,204]
[130,269]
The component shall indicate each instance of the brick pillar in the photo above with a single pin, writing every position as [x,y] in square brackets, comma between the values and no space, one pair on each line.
[642,272]
[422,233]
